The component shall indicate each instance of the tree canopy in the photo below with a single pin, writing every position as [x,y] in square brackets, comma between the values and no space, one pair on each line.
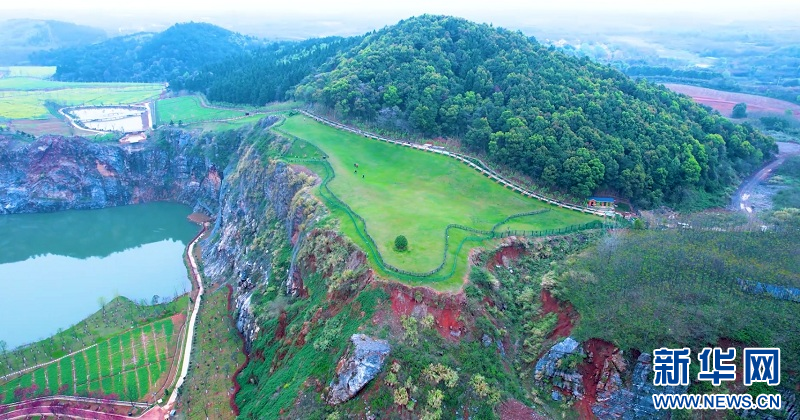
[569,123]
[146,57]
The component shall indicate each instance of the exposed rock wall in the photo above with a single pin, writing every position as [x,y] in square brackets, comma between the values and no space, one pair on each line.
[264,207]
[56,173]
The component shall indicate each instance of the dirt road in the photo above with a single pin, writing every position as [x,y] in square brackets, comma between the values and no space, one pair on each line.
[741,199]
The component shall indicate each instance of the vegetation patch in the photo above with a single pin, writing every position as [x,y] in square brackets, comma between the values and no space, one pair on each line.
[190,109]
[651,289]
[216,356]
[130,366]
[390,187]
[112,319]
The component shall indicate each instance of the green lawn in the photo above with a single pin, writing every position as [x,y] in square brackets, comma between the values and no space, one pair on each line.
[398,190]
[189,109]
[129,365]
[25,97]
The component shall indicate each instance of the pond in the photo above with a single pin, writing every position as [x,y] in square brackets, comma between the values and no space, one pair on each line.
[56,268]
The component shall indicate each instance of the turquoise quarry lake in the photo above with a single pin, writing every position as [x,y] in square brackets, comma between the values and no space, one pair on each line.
[55,267]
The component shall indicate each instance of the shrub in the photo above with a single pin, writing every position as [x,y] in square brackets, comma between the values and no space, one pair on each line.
[400,243]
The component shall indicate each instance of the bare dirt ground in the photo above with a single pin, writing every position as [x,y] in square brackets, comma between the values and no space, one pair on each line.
[753,194]
[724,101]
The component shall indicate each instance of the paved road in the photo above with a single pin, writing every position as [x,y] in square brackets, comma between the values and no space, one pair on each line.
[741,199]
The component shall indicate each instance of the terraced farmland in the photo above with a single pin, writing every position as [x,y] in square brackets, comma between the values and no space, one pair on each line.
[128,366]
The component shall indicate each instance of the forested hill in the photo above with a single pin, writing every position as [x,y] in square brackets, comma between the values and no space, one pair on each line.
[263,75]
[570,123]
[146,57]
[20,37]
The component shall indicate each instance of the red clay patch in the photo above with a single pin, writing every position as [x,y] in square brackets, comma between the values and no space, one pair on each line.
[280,332]
[515,410]
[566,314]
[178,319]
[598,351]
[503,254]
[724,101]
[445,315]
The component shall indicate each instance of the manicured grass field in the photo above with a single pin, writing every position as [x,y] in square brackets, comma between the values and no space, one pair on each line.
[189,109]
[398,190]
[25,97]
[130,366]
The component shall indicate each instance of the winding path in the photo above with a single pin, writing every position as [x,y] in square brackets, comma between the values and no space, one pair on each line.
[187,351]
[740,199]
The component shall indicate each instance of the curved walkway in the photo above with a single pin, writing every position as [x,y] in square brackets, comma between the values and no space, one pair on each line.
[466,159]
[187,353]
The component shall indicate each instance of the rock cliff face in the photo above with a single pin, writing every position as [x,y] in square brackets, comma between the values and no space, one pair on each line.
[57,173]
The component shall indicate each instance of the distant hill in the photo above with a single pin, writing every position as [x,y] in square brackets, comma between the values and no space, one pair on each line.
[147,57]
[21,37]
[571,124]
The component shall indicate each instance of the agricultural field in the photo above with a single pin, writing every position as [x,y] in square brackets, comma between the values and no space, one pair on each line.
[402,191]
[42,72]
[724,101]
[190,109]
[133,366]
[114,318]
[216,356]
[27,97]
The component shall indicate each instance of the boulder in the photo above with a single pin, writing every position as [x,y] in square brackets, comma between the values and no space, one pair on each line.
[357,367]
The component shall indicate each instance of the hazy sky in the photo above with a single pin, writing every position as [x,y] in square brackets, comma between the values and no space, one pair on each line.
[360,15]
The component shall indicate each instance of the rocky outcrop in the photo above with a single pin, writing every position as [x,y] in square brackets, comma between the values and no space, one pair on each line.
[56,173]
[636,400]
[599,381]
[775,291]
[357,367]
[553,369]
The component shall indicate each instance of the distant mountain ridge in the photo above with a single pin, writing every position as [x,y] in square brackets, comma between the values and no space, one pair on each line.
[147,57]
[21,37]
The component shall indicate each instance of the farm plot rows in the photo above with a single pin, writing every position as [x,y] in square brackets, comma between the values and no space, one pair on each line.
[128,366]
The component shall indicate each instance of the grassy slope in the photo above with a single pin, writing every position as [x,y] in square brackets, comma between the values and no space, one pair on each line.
[417,194]
[189,109]
[787,176]
[24,98]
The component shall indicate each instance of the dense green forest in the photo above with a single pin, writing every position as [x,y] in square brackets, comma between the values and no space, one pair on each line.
[569,123]
[263,75]
[146,57]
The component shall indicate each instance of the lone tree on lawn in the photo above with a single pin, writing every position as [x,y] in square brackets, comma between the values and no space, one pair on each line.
[739,110]
[400,243]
